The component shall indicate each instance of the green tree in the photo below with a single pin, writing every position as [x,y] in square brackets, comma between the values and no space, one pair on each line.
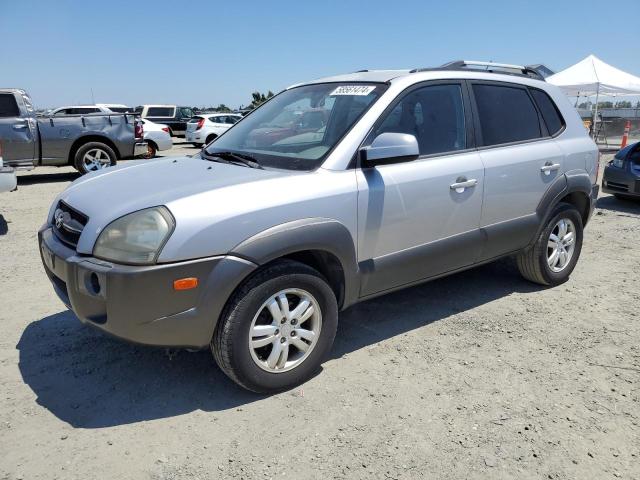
[222,108]
[623,104]
[605,105]
[258,98]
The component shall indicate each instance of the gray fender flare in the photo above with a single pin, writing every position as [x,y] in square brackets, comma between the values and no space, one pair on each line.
[571,182]
[318,234]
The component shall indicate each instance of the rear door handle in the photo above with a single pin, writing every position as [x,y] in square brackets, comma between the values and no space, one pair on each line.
[462,183]
[549,167]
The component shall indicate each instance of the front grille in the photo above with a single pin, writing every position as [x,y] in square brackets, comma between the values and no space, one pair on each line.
[68,224]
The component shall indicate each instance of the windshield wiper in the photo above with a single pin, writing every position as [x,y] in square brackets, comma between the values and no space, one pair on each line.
[235,158]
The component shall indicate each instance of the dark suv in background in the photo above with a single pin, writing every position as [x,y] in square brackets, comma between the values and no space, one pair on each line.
[174,116]
[622,174]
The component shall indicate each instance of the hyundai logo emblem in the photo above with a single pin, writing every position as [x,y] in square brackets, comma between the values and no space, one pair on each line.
[60,217]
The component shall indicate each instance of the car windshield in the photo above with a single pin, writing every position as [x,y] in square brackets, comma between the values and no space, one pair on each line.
[297,129]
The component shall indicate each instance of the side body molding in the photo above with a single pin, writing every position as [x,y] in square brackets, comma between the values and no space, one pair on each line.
[317,234]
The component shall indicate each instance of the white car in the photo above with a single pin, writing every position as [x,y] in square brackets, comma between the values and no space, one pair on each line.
[157,137]
[86,109]
[205,127]
[8,179]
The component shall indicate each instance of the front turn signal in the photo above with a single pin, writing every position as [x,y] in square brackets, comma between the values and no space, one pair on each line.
[185,283]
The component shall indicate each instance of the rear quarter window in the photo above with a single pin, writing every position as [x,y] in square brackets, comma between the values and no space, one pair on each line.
[550,113]
[8,106]
[160,112]
[506,114]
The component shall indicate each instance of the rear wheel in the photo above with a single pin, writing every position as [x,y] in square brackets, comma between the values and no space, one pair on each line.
[553,257]
[211,138]
[152,150]
[277,328]
[94,156]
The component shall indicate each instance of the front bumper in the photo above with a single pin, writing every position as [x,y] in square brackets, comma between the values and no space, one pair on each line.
[8,181]
[621,181]
[140,148]
[139,303]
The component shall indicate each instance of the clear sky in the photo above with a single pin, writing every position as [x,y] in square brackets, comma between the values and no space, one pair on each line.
[205,52]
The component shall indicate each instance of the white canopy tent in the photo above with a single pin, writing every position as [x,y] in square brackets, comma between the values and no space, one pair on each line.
[592,76]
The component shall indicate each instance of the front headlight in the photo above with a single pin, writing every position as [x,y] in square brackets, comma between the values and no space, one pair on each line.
[135,238]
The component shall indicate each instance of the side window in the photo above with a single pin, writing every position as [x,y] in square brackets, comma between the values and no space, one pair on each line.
[186,112]
[506,114]
[434,115]
[160,112]
[549,110]
[232,120]
[8,106]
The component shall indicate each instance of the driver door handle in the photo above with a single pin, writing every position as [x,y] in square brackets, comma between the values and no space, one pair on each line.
[20,126]
[549,167]
[462,183]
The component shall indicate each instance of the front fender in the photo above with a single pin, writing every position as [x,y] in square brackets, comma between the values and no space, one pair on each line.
[318,234]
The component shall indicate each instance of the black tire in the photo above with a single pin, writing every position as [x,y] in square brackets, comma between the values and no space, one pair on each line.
[230,345]
[152,150]
[211,138]
[106,153]
[532,262]
[197,145]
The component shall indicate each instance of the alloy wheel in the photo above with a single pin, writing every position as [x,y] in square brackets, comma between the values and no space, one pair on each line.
[285,330]
[96,159]
[561,245]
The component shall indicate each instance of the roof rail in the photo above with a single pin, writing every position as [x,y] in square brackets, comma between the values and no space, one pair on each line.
[491,67]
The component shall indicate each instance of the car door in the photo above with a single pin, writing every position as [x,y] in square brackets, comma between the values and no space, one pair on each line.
[418,219]
[521,162]
[16,132]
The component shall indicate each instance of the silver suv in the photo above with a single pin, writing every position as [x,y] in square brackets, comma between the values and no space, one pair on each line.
[331,193]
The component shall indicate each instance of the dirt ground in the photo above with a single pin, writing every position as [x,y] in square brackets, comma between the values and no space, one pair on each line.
[479,375]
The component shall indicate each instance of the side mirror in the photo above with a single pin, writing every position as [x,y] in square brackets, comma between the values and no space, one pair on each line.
[390,147]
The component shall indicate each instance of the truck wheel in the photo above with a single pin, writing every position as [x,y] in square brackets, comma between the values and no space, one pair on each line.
[152,150]
[553,257]
[276,328]
[94,156]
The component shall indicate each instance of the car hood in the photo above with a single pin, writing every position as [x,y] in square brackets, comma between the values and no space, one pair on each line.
[109,194]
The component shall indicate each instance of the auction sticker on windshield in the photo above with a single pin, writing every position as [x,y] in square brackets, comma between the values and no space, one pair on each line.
[353,90]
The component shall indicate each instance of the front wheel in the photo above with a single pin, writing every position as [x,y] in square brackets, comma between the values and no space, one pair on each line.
[277,328]
[553,257]
[94,156]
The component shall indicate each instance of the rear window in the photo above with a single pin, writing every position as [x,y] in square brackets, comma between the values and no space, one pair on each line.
[195,119]
[8,105]
[506,114]
[549,111]
[160,112]
[119,109]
